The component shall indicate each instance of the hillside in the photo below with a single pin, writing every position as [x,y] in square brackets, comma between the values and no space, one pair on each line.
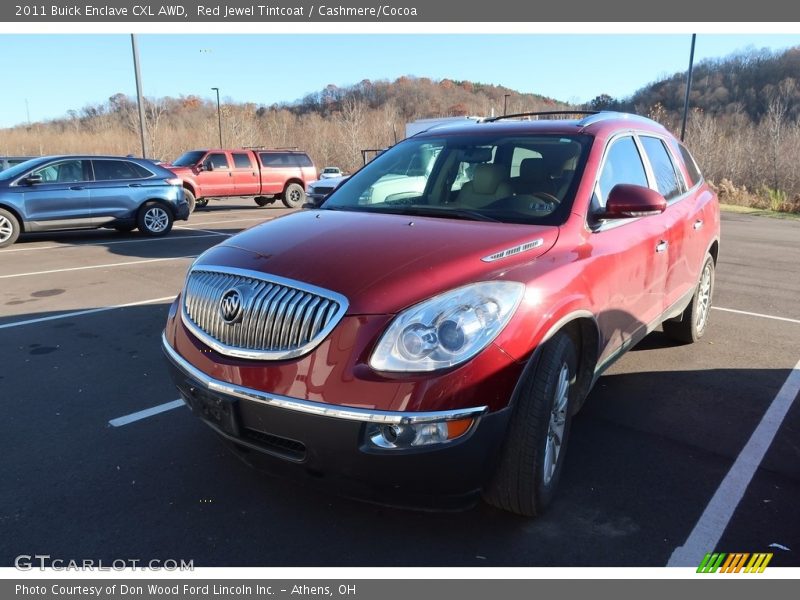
[333,124]
[744,124]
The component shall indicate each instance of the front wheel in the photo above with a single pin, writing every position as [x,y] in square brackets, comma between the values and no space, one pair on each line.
[294,195]
[262,201]
[533,454]
[154,219]
[9,228]
[201,202]
[694,320]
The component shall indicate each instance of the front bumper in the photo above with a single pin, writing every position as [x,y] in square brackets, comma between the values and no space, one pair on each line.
[326,443]
[182,211]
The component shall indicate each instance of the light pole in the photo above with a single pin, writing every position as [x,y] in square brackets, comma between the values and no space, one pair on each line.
[505,104]
[139,97]
[219,116]
[688,88]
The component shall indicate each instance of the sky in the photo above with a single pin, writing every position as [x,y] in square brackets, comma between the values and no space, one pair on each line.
[64,72]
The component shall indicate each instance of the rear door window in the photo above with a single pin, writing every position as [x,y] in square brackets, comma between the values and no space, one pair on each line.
[241,160]
[667,181]
[110,170]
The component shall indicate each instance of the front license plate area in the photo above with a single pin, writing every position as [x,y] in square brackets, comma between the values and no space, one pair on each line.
[217,410]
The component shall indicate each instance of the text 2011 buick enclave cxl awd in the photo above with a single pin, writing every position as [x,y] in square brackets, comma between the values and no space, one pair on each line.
[442,336]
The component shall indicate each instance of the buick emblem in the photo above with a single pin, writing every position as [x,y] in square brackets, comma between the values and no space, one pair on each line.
[231,306]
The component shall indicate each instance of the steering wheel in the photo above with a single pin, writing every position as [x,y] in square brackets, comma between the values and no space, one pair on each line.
[548,197]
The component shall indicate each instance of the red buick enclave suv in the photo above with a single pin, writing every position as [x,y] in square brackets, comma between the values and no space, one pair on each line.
[431,341]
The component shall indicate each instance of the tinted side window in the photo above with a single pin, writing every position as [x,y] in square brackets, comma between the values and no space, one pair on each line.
[273,159]
[218,161]
[303,160]
[691,165]
[110,170]
[623,165]
[666,180]
[242,160]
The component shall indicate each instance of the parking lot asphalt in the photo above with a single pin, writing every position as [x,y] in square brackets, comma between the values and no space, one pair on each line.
[655,460]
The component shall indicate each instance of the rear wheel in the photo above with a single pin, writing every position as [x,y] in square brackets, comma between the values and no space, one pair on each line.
[263,201]
[294,195]
[190,200]
[154,219]
[9,228]
[125,228]
[694,319]
[533,454]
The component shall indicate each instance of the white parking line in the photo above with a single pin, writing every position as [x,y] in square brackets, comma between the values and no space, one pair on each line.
[106,265]
[715,518]
[109,243]
[204,230]
[225,221]
[209,233]
[143,414]
[753,314]
[88,311]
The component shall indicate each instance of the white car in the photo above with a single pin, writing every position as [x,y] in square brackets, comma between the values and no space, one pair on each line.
[330,172]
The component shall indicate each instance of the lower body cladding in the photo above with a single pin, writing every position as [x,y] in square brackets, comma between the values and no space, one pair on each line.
[348,450]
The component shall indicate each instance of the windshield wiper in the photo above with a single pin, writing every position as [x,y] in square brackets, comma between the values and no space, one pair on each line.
[436,211]
[421,211]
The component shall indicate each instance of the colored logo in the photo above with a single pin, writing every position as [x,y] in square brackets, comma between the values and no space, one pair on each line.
[736,562]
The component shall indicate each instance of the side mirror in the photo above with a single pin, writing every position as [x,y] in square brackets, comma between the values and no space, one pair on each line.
[206,166]
[33,179]
[626,201]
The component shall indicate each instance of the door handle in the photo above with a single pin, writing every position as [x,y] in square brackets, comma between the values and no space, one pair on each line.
[697,224]
[76,187]
[134,185]
[661,246]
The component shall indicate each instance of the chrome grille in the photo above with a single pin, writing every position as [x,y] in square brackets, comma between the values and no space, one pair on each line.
[276,317]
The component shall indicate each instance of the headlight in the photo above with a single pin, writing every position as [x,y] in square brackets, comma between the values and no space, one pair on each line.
[447,329]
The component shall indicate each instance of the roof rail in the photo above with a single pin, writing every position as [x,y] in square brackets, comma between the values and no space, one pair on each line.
[268,148]
[599,116]
[548,113]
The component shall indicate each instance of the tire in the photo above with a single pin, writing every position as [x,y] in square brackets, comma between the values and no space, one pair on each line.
[262,201]
[190,200]
[201,202]
[532,457]
[294,196]
[9,228]
[154,219]
[694,320]
[125,228]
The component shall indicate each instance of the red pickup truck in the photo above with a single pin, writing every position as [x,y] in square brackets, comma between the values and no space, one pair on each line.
[265,175]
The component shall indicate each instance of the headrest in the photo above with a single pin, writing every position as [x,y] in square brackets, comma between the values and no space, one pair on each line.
[533,169]
[486,179]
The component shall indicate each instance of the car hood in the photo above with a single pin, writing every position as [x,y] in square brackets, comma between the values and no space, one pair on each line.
[381,263]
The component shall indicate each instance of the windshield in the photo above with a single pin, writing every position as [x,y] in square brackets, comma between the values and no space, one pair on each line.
[188,159]
[514,179]
[19,169]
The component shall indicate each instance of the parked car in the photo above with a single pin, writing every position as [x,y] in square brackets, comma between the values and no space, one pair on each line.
[265,175]
[317,191]
[10,161]
[88,192]
[330,172]
[439,343]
